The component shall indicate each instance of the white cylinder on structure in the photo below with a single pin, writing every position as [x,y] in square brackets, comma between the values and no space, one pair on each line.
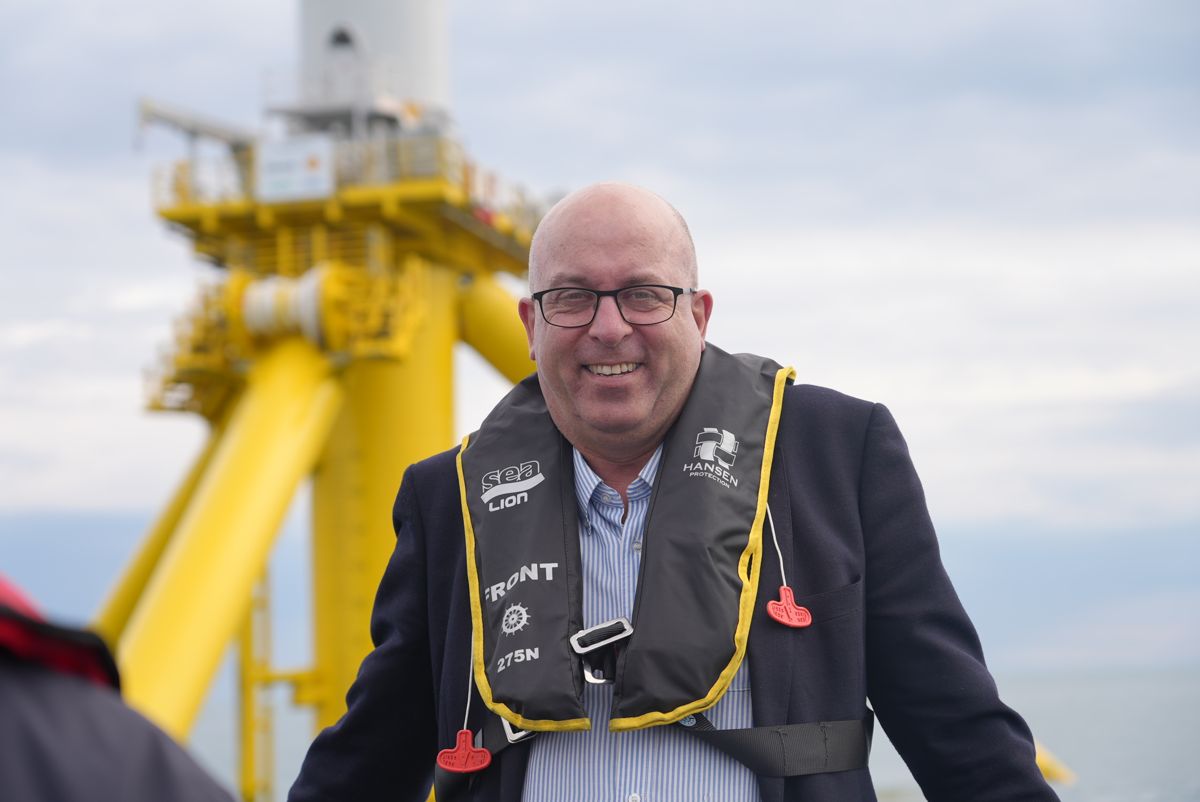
[276,306]
[359,49]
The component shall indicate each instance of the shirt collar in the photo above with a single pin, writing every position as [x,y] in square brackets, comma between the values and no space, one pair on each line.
[588,483]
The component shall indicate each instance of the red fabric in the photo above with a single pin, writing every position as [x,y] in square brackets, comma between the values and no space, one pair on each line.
[25,634]
[11,596]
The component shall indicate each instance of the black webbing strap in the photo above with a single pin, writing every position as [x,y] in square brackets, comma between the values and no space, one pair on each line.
[788,750]
[451,786]
[598,647]
[791,750]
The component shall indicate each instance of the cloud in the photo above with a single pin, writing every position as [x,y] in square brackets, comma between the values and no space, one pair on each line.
[90,288]
[1169,419]
[1001,110]
[74,70]
[1016,359]
[88,445]
[19,336]
[162,298]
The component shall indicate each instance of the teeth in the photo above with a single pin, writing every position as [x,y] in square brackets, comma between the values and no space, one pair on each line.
[613,370]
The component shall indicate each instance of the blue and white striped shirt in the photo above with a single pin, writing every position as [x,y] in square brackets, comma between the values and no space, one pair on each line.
[658,764]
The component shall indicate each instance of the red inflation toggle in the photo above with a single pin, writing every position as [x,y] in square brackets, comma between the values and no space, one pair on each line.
[787,612]
[465,757]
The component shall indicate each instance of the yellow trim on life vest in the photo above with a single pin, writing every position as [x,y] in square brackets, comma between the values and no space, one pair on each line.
[748,570]
[480,665]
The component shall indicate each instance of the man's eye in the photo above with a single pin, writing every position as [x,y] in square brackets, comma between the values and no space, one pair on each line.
[642,297]
[571,298]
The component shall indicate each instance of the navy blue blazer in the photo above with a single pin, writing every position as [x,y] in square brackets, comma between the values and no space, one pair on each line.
[861,555]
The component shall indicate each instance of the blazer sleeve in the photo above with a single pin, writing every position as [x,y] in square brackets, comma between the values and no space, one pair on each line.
[926,676]
[383,747]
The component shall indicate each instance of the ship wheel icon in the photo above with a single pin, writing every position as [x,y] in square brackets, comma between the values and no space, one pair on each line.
[516,618]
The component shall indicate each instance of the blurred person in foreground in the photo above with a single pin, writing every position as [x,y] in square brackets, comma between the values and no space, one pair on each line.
[661,573]
[65,734]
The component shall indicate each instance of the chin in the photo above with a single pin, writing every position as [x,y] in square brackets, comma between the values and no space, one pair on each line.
[614,426]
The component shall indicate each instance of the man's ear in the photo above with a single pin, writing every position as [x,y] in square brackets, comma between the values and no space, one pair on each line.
[702,305]
[526,309]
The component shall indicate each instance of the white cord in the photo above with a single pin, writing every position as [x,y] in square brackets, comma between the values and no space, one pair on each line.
[470,684]
[775,538]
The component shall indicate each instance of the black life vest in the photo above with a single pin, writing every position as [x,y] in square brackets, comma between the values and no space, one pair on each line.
[700,555]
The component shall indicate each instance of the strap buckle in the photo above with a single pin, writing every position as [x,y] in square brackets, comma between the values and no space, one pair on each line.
[596,648]
[513,734]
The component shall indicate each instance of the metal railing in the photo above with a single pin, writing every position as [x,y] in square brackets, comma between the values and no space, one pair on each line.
[370,162]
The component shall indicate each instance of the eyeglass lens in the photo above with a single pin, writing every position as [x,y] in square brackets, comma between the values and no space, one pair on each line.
[574,306]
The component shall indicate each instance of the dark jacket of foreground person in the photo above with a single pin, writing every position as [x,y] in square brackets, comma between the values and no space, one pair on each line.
[65,734]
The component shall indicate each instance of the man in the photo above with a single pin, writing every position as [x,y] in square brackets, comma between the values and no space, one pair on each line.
[597,565]
[66,734]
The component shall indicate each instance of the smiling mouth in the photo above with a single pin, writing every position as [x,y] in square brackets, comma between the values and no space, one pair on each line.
[619,369]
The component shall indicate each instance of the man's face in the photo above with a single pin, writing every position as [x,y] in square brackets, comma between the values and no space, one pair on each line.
[613,388]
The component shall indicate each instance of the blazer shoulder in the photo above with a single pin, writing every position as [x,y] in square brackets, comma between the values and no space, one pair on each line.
[439,467]
[429,487]
[824,407]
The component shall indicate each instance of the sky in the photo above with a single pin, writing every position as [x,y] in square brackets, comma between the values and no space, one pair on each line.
[983,215]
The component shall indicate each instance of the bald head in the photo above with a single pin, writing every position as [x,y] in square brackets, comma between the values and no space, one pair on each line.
[587,216]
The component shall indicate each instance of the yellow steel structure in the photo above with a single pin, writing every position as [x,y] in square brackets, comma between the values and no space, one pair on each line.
[201,588]
[1052,768]
[325,351]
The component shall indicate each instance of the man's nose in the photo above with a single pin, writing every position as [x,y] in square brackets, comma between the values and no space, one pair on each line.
[608,325]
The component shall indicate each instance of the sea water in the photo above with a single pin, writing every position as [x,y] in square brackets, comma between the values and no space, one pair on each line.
[1127,736]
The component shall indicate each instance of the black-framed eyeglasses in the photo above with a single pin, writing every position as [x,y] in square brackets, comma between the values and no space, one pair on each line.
[639,305]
